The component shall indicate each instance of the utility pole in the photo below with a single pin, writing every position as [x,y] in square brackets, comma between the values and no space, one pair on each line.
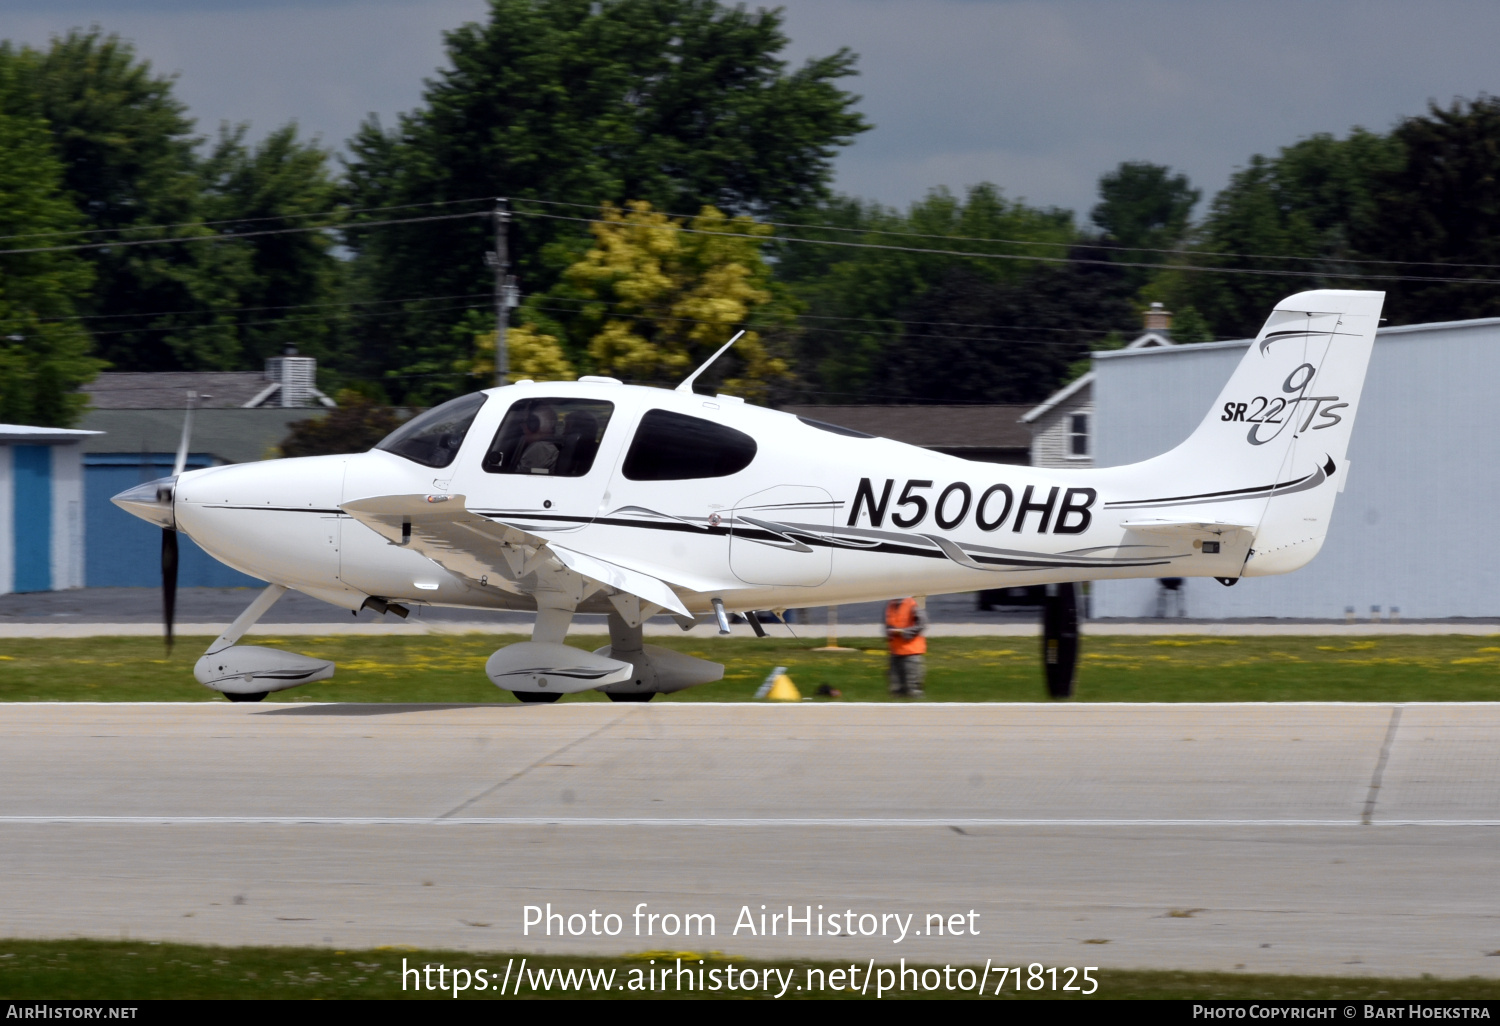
[505,290]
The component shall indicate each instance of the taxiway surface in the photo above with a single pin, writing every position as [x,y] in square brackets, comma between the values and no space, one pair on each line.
[1316,838]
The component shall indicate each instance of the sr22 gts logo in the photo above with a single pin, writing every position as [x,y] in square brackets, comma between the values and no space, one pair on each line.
[993,507]
[1281,410]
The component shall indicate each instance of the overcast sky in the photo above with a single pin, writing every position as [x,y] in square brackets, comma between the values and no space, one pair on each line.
[1038,96]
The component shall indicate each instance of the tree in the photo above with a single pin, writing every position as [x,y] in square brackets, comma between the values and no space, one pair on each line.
[1143,205]
[1297,211]
[970,339]
[126,149]
[44,350]
[863,305]
[291,281]
[126,146]
[653,298]
[1439,204]
[571,104]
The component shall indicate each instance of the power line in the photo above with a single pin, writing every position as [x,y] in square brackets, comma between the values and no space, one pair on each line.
[340,212]
[1077,243]
[343,212]
[121,243]
[235,325]
[1260,272]
[927,251]
[256,309]
[896,323]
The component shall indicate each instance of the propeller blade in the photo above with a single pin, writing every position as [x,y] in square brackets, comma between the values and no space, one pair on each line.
[187,431]
[168,581]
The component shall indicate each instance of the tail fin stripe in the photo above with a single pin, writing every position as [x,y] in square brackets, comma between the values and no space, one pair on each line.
[1312,480]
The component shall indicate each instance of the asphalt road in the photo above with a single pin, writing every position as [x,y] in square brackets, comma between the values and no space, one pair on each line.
[1347,839]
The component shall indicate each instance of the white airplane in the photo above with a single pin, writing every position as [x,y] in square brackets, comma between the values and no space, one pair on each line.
[598,497]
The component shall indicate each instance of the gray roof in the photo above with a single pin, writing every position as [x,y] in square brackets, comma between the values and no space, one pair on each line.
[168,390]
[234,436]
[933,427]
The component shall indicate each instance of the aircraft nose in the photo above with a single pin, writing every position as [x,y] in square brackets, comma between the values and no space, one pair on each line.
[150,501]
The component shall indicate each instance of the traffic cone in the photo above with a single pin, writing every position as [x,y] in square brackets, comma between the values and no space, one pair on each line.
[783,690]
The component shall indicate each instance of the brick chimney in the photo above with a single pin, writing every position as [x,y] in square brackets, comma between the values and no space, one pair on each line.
[1158,318]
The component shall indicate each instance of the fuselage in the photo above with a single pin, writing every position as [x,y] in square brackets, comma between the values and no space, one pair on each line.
[712,495]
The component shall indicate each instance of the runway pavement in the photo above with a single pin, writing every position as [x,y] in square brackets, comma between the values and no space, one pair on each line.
[1308,838]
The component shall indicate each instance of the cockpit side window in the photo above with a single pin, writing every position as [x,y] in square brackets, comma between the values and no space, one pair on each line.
[433,438]
[675,447]
[554,437]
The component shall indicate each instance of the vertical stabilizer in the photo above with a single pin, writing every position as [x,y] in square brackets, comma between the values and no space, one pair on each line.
[1271,451]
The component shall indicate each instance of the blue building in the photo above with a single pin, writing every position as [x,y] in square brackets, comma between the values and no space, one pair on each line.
[41,508]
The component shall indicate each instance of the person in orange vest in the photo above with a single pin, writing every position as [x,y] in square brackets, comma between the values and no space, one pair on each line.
[905,630]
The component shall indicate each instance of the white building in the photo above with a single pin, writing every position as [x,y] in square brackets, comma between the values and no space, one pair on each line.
[1062,427]
[41,508]
[1424,477]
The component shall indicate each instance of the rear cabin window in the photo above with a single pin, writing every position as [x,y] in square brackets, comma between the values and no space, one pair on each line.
[432,438]
[675,447]
[549,437]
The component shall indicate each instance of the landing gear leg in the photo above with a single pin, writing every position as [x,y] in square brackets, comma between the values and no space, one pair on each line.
[1060,638]
[625,643]
[552,622]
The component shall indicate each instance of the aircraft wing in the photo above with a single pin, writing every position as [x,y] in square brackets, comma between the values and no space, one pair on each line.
[478,548]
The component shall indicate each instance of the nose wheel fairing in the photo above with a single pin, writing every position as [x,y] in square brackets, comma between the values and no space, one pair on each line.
[242,672]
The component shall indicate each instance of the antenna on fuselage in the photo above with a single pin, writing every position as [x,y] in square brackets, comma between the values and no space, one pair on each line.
[687,382]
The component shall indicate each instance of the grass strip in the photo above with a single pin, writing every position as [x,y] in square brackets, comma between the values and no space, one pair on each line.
[450,668]
[144,970]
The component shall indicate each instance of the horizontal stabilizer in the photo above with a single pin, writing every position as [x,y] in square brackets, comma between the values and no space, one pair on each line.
[1162,526]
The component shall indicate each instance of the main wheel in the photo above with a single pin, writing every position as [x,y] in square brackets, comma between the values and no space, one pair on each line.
[253,696]
[630,696]
[537,696]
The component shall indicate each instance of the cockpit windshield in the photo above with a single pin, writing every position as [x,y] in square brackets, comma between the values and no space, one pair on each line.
[433,438]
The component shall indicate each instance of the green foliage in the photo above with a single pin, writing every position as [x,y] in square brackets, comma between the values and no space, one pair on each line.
[1439,204]
[127,151]
[44,351]
[1309,201]
[277,184]
[898,323]
[1144,205]
[681,103]
[355,425]
[654,297]
[1189,326]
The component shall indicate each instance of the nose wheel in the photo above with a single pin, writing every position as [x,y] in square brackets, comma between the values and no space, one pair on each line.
[254,696]
[632,696]
[540,697]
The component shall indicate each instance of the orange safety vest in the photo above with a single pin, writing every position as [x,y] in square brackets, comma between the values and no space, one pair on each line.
[900,614]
